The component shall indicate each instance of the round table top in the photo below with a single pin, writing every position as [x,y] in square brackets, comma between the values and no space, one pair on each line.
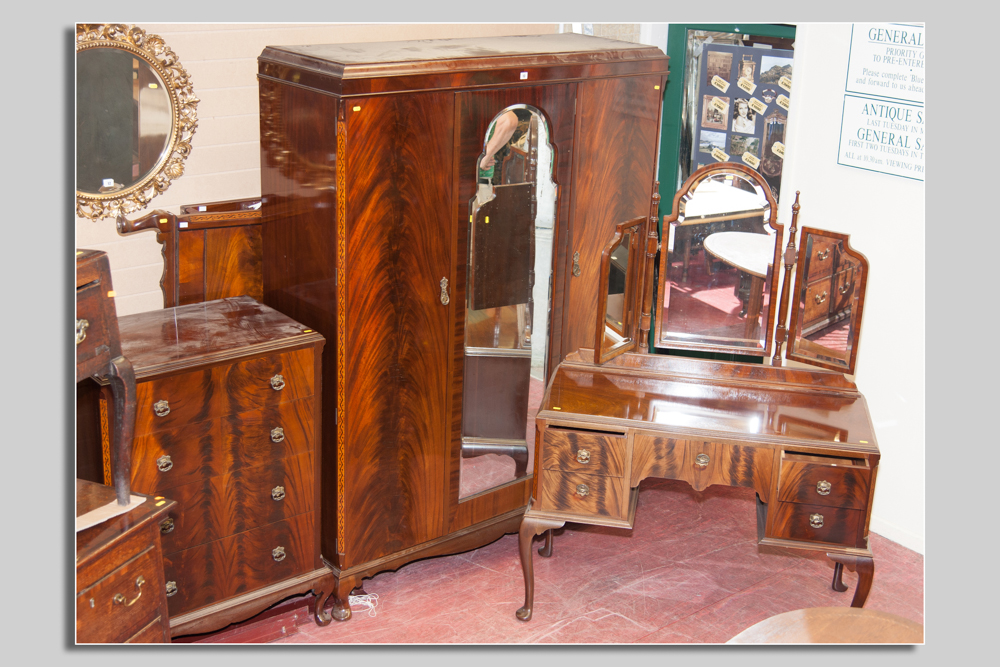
[832,625]
[748,252]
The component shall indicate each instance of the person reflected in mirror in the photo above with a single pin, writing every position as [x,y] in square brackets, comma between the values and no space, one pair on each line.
[743,117]
[501,132]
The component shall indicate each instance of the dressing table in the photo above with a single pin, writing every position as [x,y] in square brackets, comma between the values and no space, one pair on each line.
[802,439]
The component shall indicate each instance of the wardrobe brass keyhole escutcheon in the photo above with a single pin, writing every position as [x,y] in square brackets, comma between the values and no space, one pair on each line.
[576,264]
[278,493]
[278,382]
[120,599]
[816,520]
[583,456]
[81,330]
[702,460]
[277,434]
[171,588]
[823,487]
[163,464]
[278,554]
[445,299]
[820,298]
[161,408]
[167,526]
[582,490]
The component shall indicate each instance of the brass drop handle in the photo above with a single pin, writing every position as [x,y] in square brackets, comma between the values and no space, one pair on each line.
[277,434]
[820,298]
[816,520]
[583,456]
[576,264]
[161,408]
[171,588]
[163,464]
[582,490]
[278,382]
[167,526]
[702,460]
[81,330]
[823,254]
[445,299]
[278,493]
[846,288]
[278,554]
[120,599]
[823,487]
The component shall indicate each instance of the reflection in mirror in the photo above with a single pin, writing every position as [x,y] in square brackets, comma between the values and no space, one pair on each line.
[136,113]
[511,219]
[717,272]
[830,282]
[122,122]
[615,313]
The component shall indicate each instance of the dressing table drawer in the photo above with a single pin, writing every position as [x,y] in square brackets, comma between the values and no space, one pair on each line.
[169,402]
[824,480]
[584,452]
[584,495]
[817,523]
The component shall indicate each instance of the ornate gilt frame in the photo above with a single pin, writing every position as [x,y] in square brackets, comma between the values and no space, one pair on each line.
[184,118]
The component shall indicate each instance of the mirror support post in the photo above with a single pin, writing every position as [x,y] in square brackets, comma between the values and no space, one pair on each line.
[652,244]
[781,333]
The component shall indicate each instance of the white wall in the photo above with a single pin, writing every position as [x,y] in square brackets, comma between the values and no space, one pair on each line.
[885,217]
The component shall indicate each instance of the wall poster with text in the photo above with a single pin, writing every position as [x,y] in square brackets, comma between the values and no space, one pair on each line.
[882,123]
[744,94]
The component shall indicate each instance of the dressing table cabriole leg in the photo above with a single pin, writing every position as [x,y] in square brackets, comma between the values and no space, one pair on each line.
[864,566]
[546,549]
[529,528]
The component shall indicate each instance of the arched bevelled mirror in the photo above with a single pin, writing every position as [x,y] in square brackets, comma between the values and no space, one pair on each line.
[511,221]
[718,261]
[621,270]
[135,115]
[830,282]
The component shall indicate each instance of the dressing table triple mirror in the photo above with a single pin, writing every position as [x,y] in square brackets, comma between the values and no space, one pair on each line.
[802,439]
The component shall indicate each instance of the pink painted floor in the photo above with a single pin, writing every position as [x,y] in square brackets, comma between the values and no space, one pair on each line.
[689,572]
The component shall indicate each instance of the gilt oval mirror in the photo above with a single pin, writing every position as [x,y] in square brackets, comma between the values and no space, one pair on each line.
[135,115]
[720,249]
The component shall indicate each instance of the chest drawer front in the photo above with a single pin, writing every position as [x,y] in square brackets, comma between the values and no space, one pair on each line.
[806,479]
[124,601]
[205,449]
[239,564]
[584,452]
[818,298]
[92,322]
[200,395]
[817,523]
[584,495]
[221,506]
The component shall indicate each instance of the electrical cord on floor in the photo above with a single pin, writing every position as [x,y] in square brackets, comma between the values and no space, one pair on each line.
[370,601]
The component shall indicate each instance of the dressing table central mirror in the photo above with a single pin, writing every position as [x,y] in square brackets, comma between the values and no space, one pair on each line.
[802,440]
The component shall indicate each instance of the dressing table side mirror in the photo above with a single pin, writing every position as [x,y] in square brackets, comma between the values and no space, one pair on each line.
[829,295]
[618,298]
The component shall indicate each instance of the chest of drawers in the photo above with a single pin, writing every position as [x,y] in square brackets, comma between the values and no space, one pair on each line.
[120,593]
[803,440]
[228,425]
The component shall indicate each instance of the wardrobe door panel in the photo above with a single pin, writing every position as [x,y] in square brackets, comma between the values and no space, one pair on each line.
[617,124]
[400,321]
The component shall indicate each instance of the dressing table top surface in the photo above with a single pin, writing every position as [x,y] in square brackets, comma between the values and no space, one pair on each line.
[701,397]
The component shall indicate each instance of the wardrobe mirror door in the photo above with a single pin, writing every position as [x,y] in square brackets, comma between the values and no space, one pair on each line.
[830,281]
[510,223]
[717,264]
